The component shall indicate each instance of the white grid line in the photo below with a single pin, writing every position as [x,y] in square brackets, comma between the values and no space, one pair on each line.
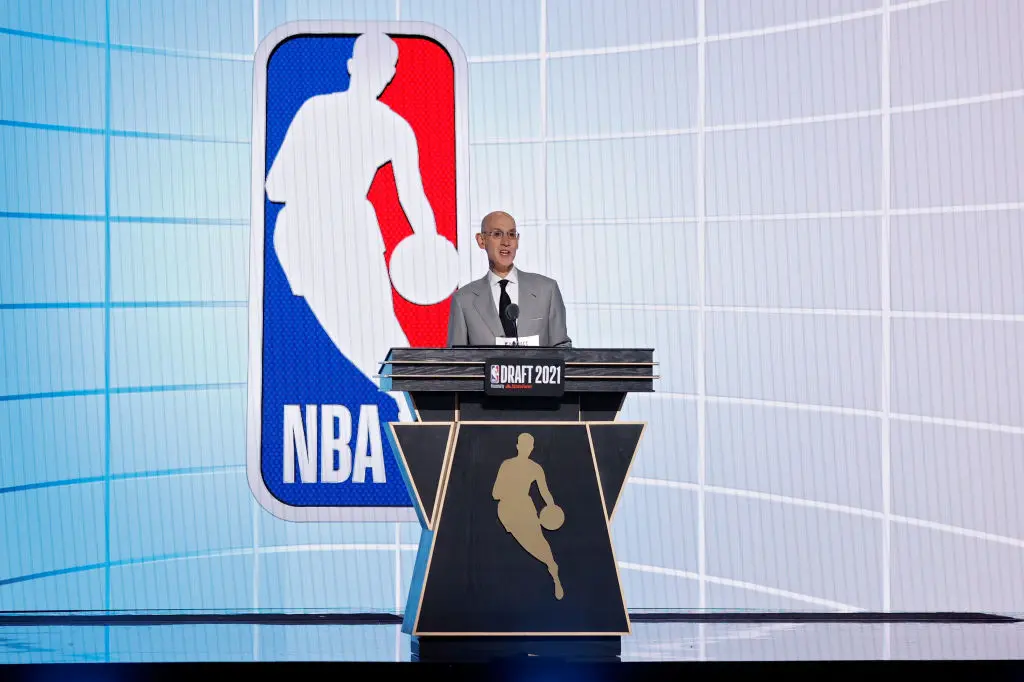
[336,547]
[794,121]
[702,317]
[625,49]
[827,312]
[832,507]
[959,530]
[685,42]
[958,102]
[985,317]
[756,495]
[527,56]
[255,25]
[543,103]
[958,208]
[728,582]
[886,282]
[495,58]
[760,125]
[797,25]
[961,423]
[804,407]
[766,217]
[847,411]
[914,4]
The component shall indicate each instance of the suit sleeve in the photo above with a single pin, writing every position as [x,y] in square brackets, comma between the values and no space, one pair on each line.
[457,332]
[557,334]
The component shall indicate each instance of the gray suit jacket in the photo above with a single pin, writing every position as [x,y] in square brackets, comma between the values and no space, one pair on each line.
[473,319]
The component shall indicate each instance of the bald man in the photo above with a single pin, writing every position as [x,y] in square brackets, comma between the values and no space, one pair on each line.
[478,310]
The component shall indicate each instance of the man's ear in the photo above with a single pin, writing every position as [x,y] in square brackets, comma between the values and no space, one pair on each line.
[480,241]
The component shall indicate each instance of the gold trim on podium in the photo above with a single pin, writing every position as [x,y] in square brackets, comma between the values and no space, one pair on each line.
[408,472]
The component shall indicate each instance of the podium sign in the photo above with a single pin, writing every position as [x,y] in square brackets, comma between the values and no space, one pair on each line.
[518,376]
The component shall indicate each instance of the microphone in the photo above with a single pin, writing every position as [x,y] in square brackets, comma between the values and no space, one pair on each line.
[512,314]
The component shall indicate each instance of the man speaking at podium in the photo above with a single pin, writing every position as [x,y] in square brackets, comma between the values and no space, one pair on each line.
[506,306]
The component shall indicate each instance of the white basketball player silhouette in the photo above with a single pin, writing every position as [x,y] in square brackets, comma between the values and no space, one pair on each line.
[327,237]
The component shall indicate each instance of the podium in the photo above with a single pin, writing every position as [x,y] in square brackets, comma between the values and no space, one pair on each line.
[515,464]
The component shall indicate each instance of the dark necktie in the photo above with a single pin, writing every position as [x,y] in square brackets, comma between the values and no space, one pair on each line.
[503,303]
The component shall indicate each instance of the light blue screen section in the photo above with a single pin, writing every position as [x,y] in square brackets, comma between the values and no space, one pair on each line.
[164,515]
[627,178]
[58,645]
[669,592]
[79,19]
[210,26]
[274,13]
[80,590]
[177,346]
[668,450]
[482,27]
[39,74]
[348,580]
[31,519]
[46,171]
[169,178]
[835,264]
[508,105]
[359,643]
[597,95]
[729,16]
[48,351]
[52,439]
[277,533]
[674,508]
[181,643]
[51,261]
[582,24]
[183,585]
[196,263]
[161,94]
[175,430]
[768,77]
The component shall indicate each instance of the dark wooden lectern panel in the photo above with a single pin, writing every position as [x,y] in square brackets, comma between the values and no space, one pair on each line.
[482,579]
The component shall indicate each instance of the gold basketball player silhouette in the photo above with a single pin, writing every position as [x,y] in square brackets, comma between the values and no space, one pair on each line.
[516,509]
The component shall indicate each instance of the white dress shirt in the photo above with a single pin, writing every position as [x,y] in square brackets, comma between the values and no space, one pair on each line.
[512,287]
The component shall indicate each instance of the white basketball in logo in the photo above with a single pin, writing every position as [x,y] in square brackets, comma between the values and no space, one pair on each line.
[425,268]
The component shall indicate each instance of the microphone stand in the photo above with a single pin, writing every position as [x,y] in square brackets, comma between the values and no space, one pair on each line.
[512,313]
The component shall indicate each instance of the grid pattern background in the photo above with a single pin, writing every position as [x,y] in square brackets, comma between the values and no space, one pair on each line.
[812,210]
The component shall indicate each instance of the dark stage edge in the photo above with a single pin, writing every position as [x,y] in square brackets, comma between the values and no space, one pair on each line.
[520,671]
[498,649]
[28,618]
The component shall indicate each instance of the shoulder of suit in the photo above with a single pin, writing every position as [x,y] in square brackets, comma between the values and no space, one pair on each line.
[472,288]
[538,278]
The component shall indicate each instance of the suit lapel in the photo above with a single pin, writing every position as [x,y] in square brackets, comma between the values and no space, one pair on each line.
[484,305]
[529,307]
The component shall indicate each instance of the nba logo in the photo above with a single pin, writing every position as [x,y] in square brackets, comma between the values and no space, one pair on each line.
[358,191]
[494,374]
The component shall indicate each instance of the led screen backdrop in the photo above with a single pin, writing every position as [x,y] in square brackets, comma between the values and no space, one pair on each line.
[812,210]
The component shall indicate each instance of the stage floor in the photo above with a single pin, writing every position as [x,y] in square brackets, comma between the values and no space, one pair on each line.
[679,641]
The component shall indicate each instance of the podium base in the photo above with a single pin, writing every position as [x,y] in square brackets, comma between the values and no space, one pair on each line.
[487,649]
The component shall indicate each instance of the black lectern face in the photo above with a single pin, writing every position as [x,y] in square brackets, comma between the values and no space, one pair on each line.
[522,532]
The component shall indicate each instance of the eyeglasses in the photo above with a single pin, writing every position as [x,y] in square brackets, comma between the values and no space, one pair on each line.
[498,234]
